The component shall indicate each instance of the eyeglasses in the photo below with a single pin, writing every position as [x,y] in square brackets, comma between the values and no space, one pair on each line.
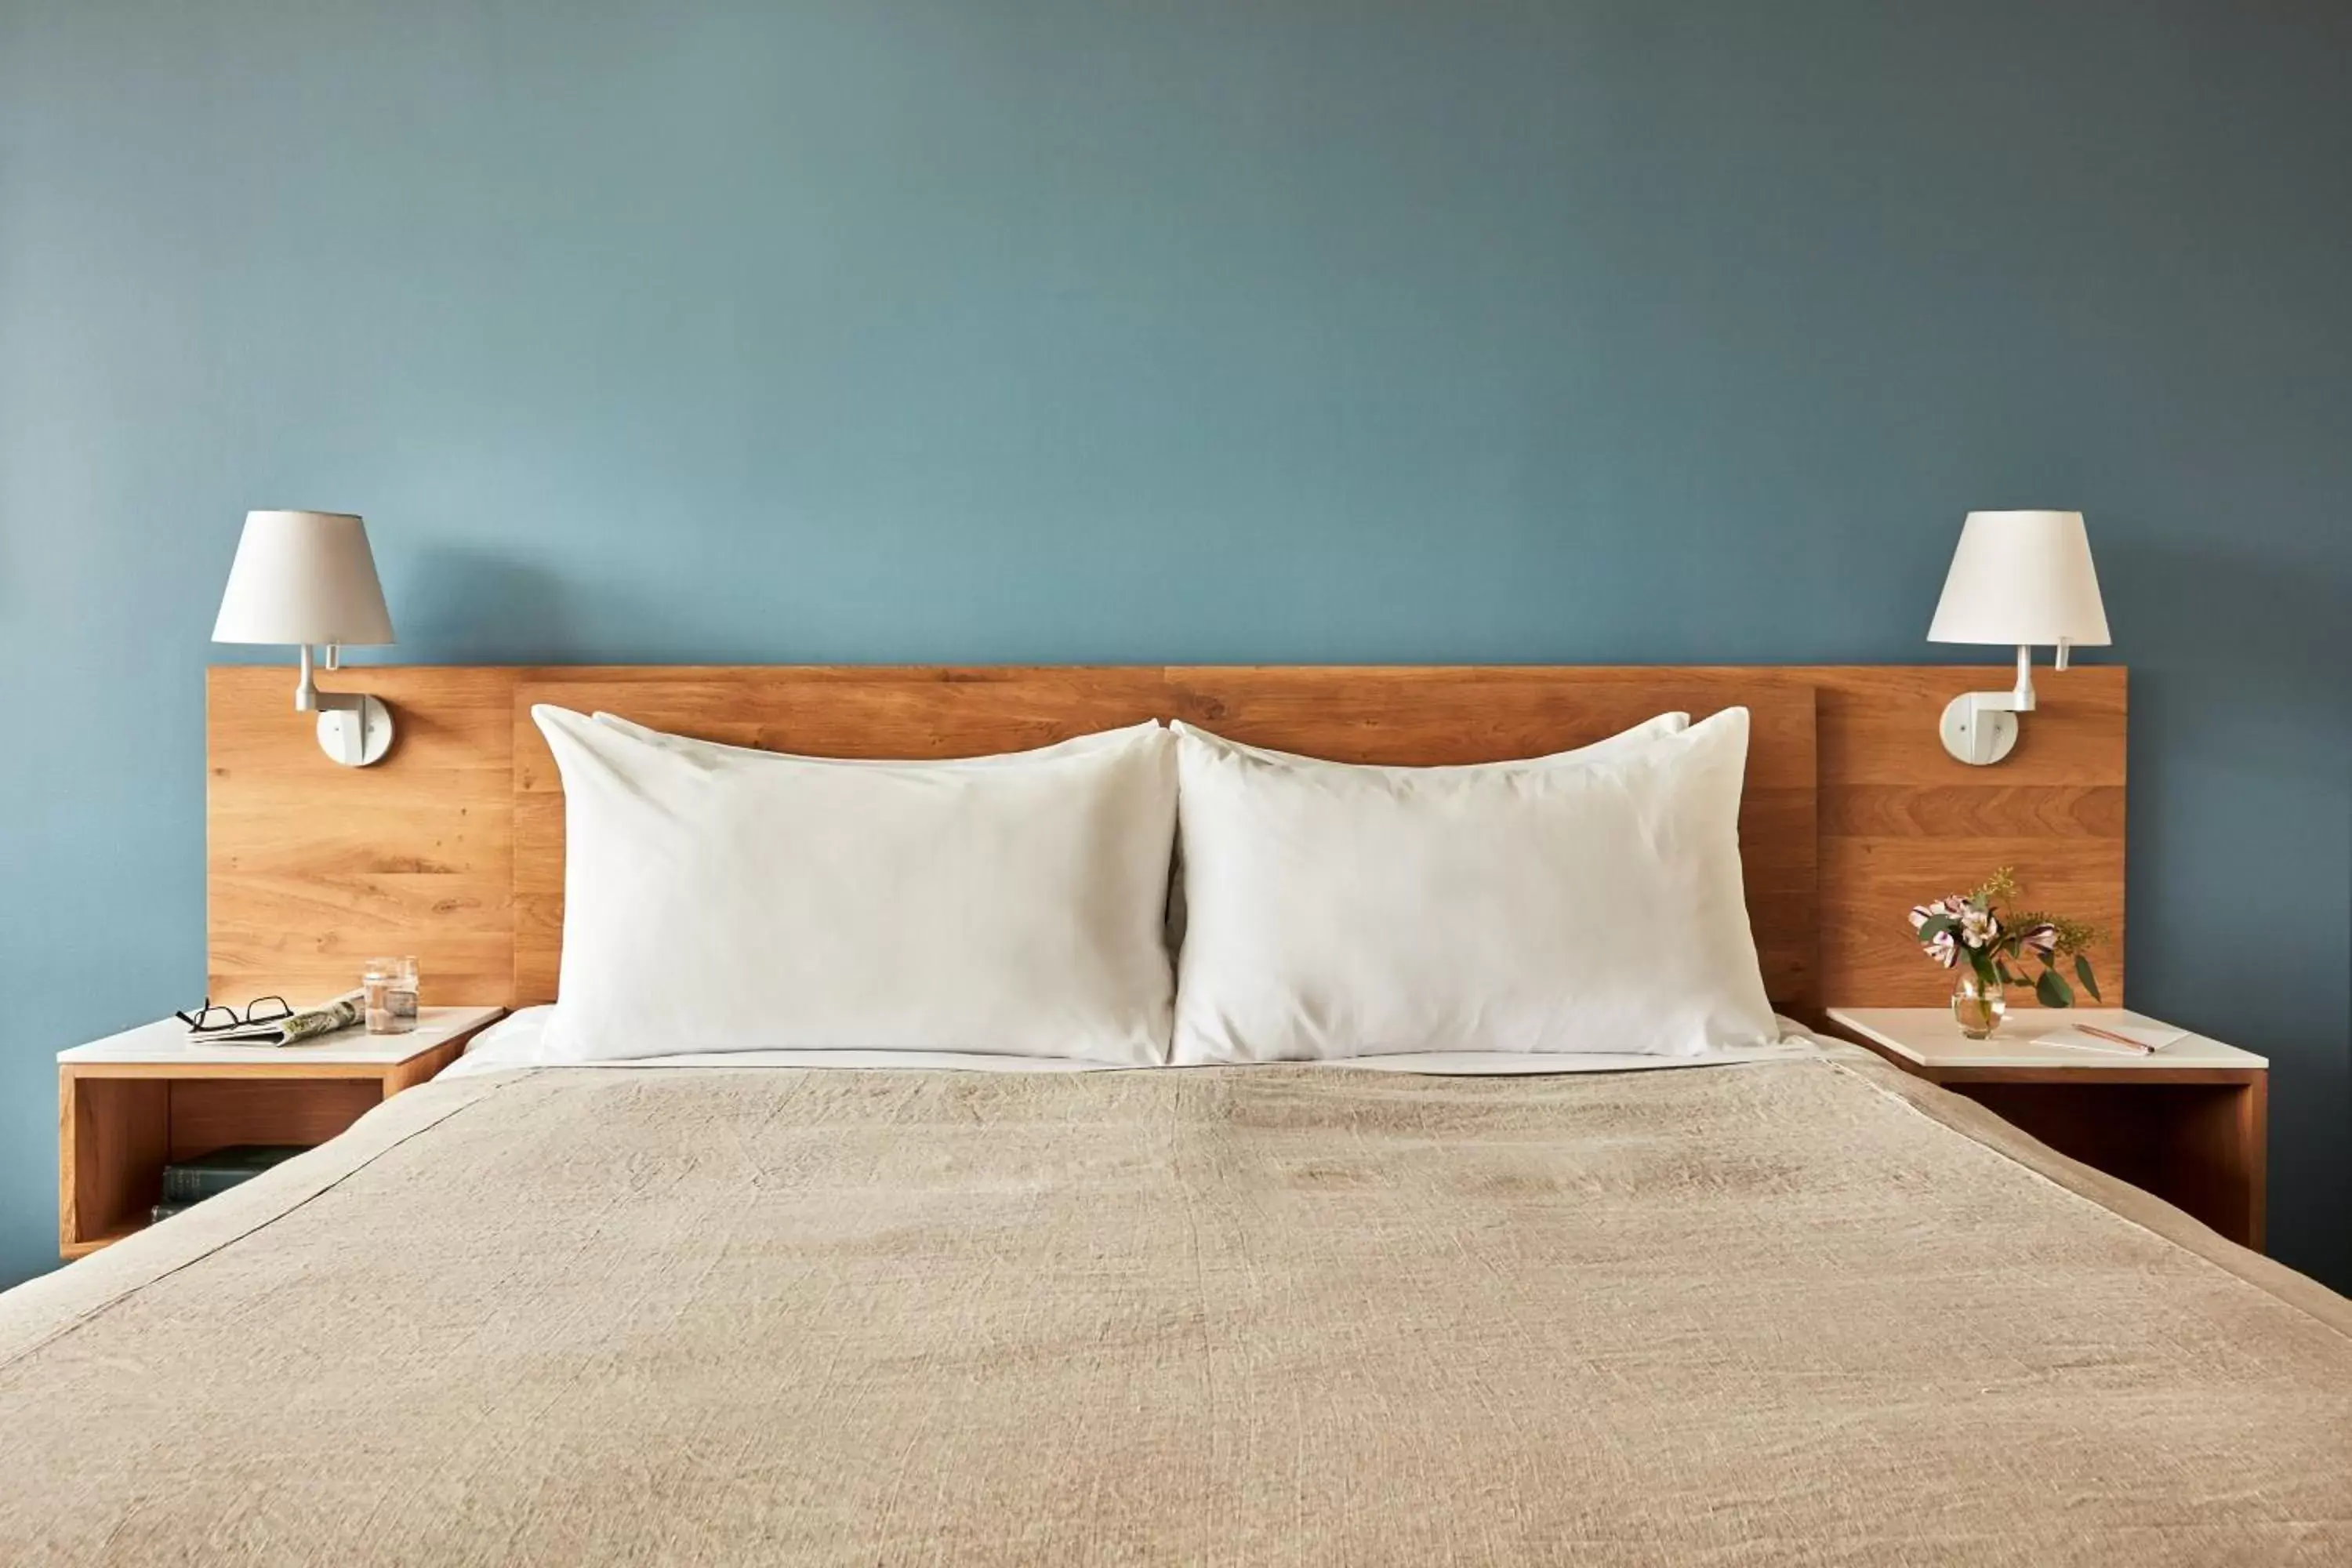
[260,1010]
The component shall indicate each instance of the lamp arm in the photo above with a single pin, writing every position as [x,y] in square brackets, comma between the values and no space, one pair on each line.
[309,699]
[2018,699]
[353,727]
[1977,726]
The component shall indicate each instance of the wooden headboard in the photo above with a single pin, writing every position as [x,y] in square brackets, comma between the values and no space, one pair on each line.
[452,847]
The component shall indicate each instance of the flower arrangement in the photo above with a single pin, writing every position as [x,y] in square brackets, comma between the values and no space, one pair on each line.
[1999,947]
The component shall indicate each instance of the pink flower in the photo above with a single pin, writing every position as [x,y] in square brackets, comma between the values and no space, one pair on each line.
[1939,947]
[1978,929]
[2041,939]
[1922,913]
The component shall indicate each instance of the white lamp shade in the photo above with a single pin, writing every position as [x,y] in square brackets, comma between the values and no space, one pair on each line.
[303,577]
[2019,578]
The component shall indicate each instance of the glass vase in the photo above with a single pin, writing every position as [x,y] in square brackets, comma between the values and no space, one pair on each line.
[1977,1004]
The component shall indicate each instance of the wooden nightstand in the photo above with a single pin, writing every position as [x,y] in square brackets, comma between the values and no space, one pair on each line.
[127,1103]
[2189,1123]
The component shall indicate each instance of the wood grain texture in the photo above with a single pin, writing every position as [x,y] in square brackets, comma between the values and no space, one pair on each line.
[1901,821]
[312,869]
[451,849]
[113,1137]
[210,1114]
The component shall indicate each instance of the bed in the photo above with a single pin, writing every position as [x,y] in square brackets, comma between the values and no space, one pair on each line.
[1800,1310]
[1779,1305]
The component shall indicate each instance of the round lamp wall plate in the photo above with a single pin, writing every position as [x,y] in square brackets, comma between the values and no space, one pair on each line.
[1979,736]
[356,736]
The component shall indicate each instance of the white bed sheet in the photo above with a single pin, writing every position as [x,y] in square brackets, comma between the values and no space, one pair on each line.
[518,1041]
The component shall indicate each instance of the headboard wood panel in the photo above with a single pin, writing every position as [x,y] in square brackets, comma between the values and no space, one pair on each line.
[311,869]
[451,847]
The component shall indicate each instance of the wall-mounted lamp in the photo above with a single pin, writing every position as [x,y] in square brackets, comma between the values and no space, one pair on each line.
[307,577]
[2023,578]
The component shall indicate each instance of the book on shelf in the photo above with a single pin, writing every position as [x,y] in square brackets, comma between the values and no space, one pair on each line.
[202,1176]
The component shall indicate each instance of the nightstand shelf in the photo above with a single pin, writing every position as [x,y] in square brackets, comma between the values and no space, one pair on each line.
[132,1102]
[2189,1123]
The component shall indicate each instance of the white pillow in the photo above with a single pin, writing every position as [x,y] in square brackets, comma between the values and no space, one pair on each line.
[1099,741]
[717,898]
[1584,903]
[1614,745]
[1664,724]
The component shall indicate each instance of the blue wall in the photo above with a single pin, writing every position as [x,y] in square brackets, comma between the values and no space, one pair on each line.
[1138,329]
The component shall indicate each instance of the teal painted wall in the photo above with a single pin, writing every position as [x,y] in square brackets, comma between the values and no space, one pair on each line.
[1104,329]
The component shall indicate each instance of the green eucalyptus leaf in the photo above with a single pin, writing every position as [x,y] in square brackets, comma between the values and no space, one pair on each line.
[2052,992]
[1937,925]
[2083,973]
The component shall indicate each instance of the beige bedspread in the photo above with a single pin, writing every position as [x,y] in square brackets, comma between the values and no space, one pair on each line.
[1798,1312]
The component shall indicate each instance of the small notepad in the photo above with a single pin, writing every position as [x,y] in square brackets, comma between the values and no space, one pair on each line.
[2143,1041]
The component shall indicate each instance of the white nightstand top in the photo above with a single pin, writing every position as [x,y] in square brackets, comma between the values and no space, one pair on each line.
[1931,1038]
[166,1041]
